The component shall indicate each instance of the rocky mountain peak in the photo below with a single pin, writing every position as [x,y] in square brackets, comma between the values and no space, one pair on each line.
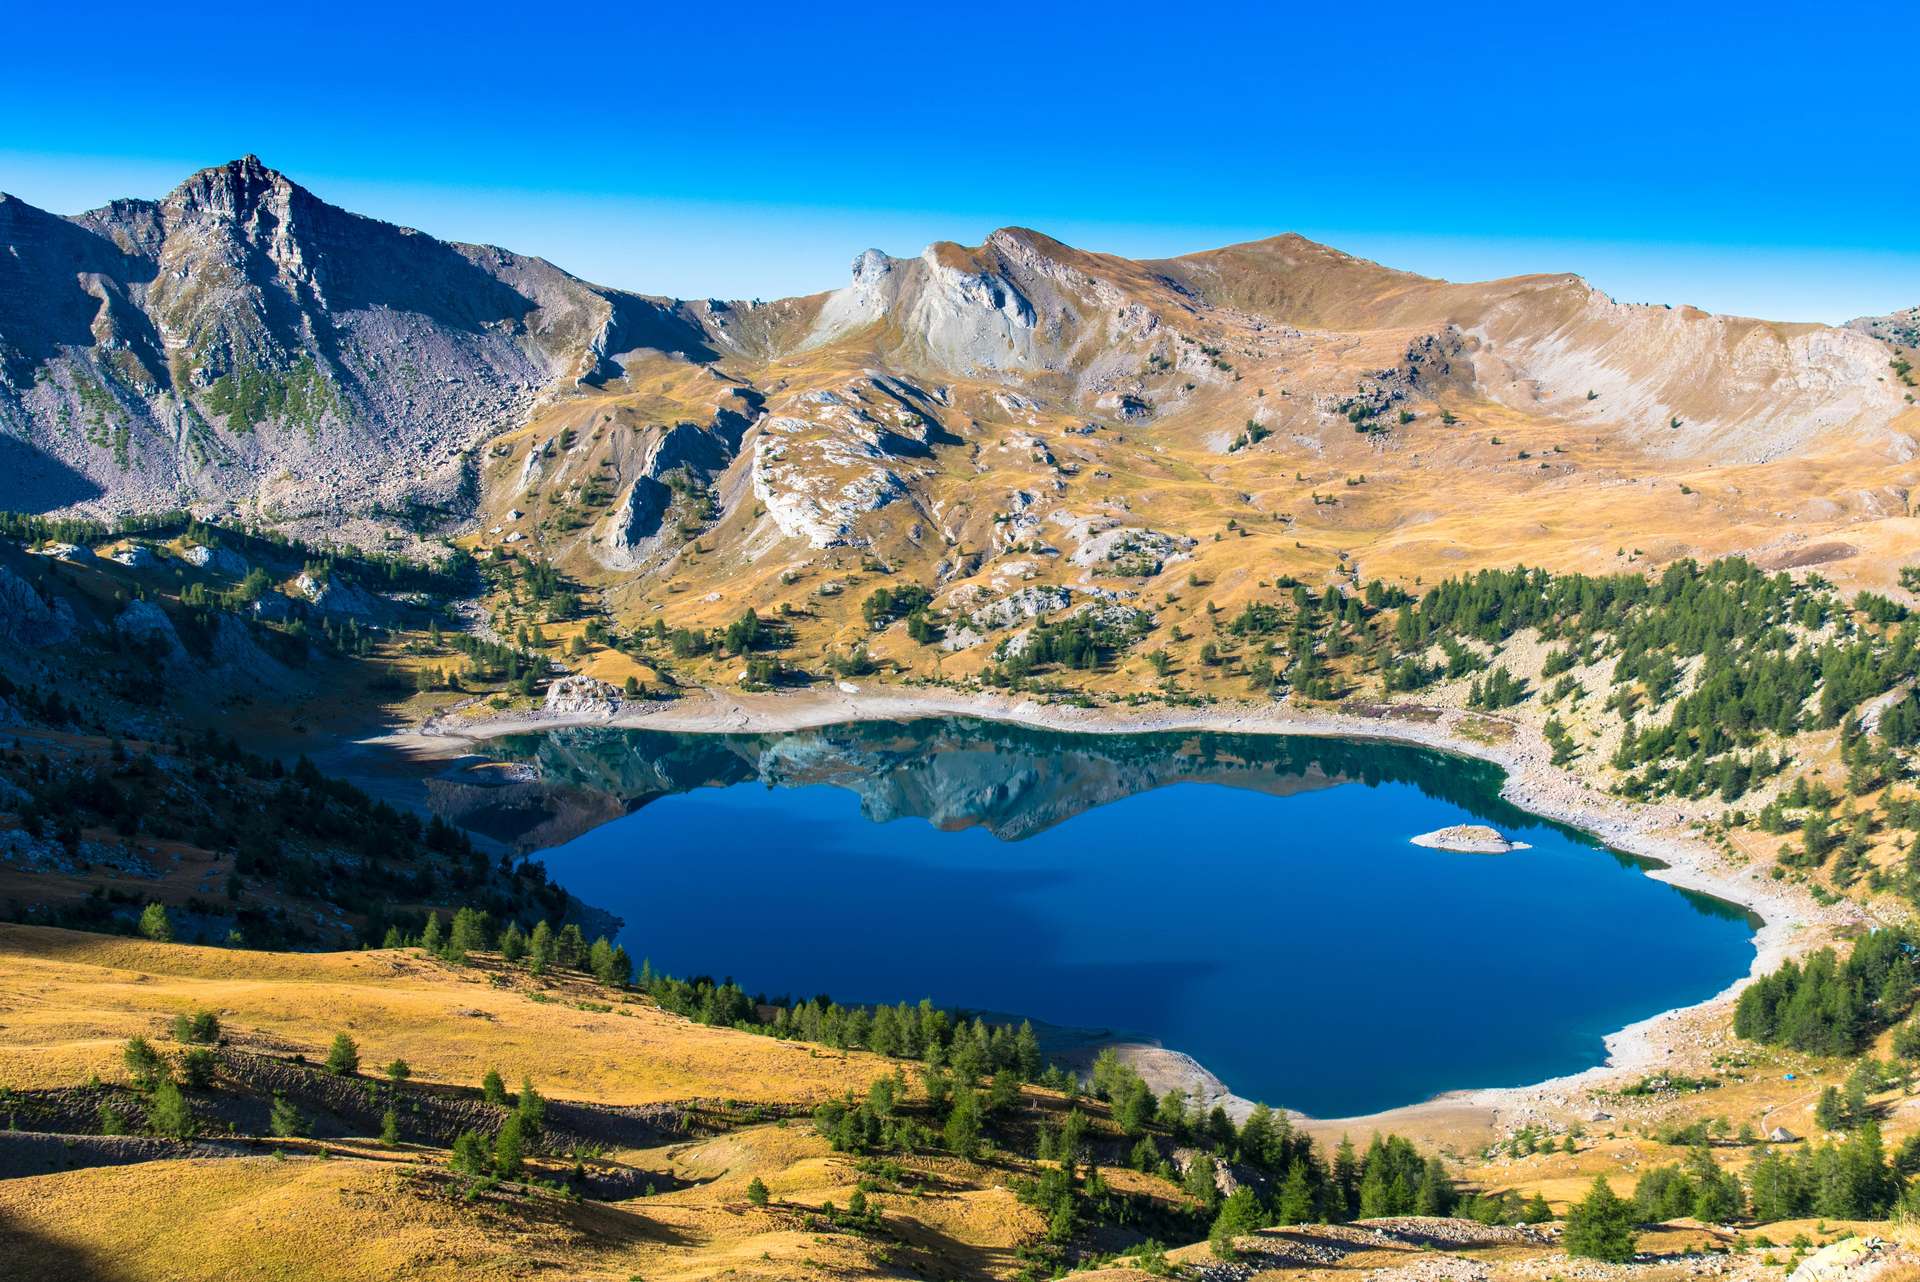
[241,340]
[871,266]
[233,190]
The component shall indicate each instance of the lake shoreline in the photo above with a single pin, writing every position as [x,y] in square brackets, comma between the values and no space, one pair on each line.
[1792,924]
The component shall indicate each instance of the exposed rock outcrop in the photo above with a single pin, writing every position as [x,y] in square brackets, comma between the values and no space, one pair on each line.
[684,447]
[578,696]
[241,339]
[26,619]
[334,596]
[1469,839]
[145,624]
[219,560]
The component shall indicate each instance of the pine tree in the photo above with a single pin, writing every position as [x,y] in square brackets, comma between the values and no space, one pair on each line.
[513,943]
[155,924]
[284,1119]
[1830,1114]
[343,1057]
[471,1156]
[1601,1226]
[1716,1194]
[492,1089]
[756,1191]
[1202,1181]
[202,1027]
[600,960]
[1346,1181]
[1026,1051]
[1239,1215]
[1295,1203]
[530,1108]
[389,1127]
[540,948]
[1778,1191]
[196,1068]
[1256,1137]
[1072,1140]
[963,1124]
[431,937]
[1060,1224]
[167,1111]
[1376,1193]
[510,1149]
[469,934]
[570,948]
[1436,1196]
[143,1063]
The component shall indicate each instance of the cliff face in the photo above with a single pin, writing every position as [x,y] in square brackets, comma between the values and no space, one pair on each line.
[242,341]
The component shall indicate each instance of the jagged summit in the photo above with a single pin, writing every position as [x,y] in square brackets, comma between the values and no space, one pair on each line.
[232,188]
[242,340]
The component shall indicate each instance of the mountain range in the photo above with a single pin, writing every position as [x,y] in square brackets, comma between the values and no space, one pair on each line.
[242,346]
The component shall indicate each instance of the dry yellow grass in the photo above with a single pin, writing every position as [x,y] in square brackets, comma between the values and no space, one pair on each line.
[298,1219]
[68,1002]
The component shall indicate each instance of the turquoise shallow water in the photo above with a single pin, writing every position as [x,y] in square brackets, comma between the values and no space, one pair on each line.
[1253,901]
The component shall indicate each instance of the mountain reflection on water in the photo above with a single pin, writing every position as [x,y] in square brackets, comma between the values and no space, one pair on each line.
[955,773]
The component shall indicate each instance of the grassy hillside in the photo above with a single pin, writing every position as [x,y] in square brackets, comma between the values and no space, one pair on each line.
[673,1149]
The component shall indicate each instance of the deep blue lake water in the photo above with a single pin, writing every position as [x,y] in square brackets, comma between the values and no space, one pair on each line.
[1253,901]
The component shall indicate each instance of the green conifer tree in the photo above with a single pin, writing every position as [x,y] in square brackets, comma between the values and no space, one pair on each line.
[1239,1215]
[155,924]
[1601,1226]
[343,1057]
[167,1111]
[284,1119]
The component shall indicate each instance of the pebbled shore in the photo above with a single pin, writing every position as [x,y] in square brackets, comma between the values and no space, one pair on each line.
[1792,923]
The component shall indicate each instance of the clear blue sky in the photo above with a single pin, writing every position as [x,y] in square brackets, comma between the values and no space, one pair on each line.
[1754,158]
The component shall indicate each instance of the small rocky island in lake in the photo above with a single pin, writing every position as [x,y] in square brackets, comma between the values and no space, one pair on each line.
[1471,839]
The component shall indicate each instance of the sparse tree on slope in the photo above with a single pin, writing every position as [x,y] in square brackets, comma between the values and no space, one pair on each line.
[1601,1226]
[343,1057]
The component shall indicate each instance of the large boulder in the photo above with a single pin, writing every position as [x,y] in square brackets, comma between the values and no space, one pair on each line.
[337,597]
[215,560]
[1856,1259]
[579,696]
[145,624]
[27,620]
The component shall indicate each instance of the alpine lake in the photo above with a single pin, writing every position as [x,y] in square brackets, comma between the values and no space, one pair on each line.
[1254,901]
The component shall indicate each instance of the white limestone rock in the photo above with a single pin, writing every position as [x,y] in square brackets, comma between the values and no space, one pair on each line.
[1469,839]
